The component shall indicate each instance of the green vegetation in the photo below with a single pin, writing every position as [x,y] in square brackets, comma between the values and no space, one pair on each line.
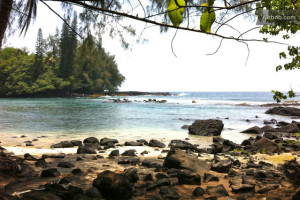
[60,64]
[102,16]
[292,141]
[297,134]
[238,150]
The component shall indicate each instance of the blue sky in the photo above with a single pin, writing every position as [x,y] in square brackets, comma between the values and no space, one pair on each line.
[153,67]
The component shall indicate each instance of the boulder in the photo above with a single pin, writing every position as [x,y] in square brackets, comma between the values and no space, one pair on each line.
[241,188]
[65,165]
[185,127]
[264,145]
[63,144]
[296,196]
[76,142]
[130,152]
[268,188]
[133,144]
[9,165]
[132,174]
[108,141]
[291,128]
[129,160]
[41,163]
[94,146]
[151,163]
[223,166]
[272,135]
[218,190]
[85,150]
[254,130]
[148,177]
[268,129]
[198,191]
[77,171]
[93,192]
[52,172]
[114,153]
[179,159]
[161,175]
[156,143]
[113,185]
[282,123]
[27,156]
[67,180]
[184,145]
[209,127]
[91,140]
[285,111]
[159,183]
[169,192]
[188,178]
[143,141]
[209,177]
[247,142]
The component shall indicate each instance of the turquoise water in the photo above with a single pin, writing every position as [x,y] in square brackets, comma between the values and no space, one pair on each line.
[100,117]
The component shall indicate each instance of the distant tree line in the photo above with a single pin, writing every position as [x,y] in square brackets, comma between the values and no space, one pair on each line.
[60,64]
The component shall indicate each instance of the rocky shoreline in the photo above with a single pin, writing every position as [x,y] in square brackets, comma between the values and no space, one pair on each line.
[262,167]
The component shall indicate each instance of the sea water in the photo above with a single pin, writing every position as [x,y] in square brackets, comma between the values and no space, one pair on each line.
[101,117]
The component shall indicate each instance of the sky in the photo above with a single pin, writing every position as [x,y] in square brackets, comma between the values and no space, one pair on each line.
[153,67]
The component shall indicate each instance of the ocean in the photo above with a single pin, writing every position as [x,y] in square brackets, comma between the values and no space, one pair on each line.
[78,118]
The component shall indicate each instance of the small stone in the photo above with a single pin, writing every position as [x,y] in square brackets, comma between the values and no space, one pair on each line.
[198,191]
[65,165]
[52,172]
[218,190]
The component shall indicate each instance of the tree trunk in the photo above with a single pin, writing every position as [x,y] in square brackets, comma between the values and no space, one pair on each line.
[5,9]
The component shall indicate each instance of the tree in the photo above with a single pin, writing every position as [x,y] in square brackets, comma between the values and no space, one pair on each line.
[211,15]
[68,45]
[38,67]
[52,45]
[95,69]
[15,67]
[5,9]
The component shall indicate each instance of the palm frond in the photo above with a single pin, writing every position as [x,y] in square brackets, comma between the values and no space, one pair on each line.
[29,13]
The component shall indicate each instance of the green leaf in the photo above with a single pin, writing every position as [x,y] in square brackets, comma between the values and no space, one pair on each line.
[175,12]
[207,19]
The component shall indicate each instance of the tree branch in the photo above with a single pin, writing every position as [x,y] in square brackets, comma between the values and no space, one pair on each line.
[168,25]
[62,19]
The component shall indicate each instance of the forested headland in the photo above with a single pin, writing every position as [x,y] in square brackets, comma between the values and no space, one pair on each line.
[60,65]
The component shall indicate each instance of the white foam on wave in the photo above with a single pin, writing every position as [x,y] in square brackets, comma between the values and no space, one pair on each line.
[182,94]
[33,151]
[183,100]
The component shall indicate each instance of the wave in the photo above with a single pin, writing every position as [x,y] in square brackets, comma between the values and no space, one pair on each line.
[181,101]
[182,94]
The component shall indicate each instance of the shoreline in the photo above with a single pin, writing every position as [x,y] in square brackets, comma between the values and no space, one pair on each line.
[118,158]
[58,94]
[264,166]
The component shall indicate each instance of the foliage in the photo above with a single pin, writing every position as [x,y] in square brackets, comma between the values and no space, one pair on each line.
[22,73]
[279,96]
[15,71]
[175,12]
[98,70]
[39,51]
[106,16]
[207,18]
